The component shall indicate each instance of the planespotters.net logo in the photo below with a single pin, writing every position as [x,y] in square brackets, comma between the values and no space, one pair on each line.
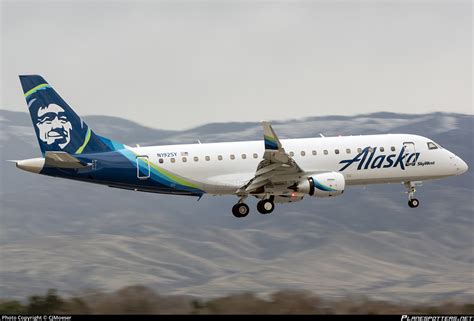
[437,318]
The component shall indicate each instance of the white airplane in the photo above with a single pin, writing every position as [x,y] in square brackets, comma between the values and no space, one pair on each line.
[272,170]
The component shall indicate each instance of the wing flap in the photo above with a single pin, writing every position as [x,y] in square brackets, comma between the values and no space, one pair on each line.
[255,185]
[266,169]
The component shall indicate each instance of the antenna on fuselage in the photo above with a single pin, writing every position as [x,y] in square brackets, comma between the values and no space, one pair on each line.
[320,134]
[198,141]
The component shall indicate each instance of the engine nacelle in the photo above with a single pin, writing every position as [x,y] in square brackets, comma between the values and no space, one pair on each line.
[323,185]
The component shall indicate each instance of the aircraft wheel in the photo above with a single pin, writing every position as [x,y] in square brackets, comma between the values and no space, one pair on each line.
[240,210]
[413,203]
[265,206]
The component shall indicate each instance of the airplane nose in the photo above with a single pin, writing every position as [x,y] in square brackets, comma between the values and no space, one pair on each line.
[461,166]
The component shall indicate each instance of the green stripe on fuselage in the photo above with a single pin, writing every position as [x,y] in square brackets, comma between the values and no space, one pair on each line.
[168,175]
[173,177]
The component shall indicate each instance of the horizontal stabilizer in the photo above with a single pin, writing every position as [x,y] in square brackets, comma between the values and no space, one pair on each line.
[62,160]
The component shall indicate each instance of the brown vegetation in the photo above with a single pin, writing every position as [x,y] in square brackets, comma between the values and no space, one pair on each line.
[142,300]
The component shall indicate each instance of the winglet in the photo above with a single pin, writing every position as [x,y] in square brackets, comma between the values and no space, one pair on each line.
[271,139]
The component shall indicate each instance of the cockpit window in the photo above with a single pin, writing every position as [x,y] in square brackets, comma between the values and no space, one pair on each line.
[432,145]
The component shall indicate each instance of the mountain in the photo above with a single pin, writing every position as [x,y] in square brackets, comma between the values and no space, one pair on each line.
[76,236]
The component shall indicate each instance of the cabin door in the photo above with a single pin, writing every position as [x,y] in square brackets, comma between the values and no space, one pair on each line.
[143,167]
[410,150]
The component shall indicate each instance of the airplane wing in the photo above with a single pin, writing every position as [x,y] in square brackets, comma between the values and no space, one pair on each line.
[62,160]
[276,169]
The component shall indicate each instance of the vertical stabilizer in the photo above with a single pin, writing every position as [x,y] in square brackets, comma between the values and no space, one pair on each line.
[57,126]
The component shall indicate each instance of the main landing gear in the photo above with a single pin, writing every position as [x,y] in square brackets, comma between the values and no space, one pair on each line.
[240,210]
[412,202]
[265,206]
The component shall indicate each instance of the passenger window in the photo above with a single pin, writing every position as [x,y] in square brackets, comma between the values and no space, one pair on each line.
[292,154]
[173,160]
[160,160]
[336,151]
[325,152]
[196,158]
[392,148]
[303,153]
[219,157]
[244,156]
[255,155]
[371,149]
[348,150]
[208,158]
[382,149]
[232,156]
[185,159]
[432,145]
[314,153]
[359,150]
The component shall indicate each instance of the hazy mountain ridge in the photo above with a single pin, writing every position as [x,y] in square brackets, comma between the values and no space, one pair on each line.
[73,236]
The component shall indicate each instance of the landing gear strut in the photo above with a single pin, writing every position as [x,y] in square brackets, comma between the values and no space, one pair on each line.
[412,202]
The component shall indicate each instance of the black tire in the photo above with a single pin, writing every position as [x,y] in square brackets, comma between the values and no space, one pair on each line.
[240,210]
[265,206]
[413,203]
[260,208]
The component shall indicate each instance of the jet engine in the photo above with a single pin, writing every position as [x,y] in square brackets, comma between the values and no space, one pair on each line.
[322,185]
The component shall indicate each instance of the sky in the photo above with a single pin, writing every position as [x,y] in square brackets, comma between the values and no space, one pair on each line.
[176,65]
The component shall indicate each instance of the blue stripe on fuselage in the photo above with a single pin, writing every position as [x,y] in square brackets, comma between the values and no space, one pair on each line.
[114,168]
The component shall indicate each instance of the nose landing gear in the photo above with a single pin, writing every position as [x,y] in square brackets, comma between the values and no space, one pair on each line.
[412,202]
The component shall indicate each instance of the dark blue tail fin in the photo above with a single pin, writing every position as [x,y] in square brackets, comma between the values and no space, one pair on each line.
[57,126]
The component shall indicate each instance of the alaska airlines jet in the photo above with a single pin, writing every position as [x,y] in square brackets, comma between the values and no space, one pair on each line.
[272,170]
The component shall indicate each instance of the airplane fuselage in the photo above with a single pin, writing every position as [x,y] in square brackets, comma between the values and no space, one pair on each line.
[273,170]
[221,168]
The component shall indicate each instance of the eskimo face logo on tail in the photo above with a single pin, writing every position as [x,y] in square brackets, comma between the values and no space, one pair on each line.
[53,125]
[366,160]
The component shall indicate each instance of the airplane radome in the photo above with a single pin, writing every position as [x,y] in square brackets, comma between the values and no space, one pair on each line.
[272,170]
